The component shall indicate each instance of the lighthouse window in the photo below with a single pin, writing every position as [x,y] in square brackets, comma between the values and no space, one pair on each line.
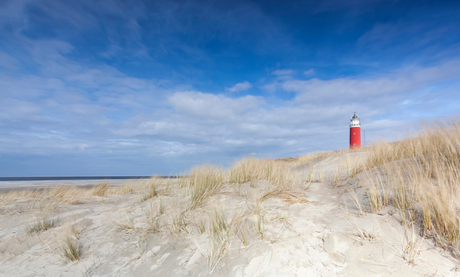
[354,133]
[354,143]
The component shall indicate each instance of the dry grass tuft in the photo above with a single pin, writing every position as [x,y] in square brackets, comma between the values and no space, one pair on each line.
[131,186]
[179,224]
[41,225]
[161,206]
[202,182]
[377,193]
[101,189]
[153,220]
[357,203]
[411,244]
[152,190]
[66,194]
[252,170]
[16,195]
[125,188]
[311,174]
[70,248]
[260,224]
[337,176]
[221,233]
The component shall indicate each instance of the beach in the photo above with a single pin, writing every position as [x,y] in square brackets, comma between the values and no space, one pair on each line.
[148,228]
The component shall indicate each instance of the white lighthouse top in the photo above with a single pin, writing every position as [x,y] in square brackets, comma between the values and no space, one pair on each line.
[354,121]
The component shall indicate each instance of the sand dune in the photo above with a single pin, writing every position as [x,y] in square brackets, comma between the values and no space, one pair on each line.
[244,230]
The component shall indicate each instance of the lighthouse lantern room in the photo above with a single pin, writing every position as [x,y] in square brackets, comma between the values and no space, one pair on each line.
[355,132]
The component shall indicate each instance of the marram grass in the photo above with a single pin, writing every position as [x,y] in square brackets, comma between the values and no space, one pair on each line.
[422,170]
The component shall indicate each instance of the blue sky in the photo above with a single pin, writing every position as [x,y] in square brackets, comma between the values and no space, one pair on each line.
[156,87]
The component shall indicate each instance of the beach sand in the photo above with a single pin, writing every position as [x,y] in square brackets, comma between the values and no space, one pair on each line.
[320,233]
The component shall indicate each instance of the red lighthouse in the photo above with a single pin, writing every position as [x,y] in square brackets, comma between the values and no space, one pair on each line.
[355,132]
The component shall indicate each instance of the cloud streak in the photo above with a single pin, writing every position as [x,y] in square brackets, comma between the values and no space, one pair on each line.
[240,87]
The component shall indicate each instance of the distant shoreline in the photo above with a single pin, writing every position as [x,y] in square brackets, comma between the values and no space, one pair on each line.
[71,178]
[24,183]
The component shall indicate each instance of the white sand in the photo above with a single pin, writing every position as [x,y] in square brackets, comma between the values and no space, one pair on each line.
[325,237]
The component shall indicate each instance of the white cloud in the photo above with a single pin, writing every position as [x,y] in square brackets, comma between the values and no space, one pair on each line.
[240,87]
[210,106]
[97,109]
[384,90]
[174,122]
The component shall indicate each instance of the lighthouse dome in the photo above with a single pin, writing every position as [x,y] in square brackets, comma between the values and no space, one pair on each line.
[354,121]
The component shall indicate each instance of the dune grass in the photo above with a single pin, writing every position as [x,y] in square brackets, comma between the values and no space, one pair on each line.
[75,195]
[221,234]
[421,171]
[60,194]
[101,189]
[202,182]
[152,189]
[252,170]
[132,186]
[70,249]
[418,175]
[41,225]
[126,187]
